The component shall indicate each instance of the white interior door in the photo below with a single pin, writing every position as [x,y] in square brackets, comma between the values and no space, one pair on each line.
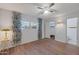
[72,31]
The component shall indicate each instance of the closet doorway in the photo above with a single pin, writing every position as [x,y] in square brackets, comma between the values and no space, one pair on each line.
[72,30]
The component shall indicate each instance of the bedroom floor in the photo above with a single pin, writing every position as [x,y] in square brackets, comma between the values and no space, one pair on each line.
[44,47]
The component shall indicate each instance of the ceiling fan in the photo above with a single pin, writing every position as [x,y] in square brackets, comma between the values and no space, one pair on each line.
[46,8]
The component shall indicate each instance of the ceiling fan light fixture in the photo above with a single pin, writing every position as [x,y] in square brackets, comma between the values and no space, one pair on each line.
[46,11]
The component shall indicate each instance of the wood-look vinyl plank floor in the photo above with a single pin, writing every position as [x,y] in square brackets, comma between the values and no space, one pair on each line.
[44,47]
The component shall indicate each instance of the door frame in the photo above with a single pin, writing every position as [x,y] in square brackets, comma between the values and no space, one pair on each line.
[66,30]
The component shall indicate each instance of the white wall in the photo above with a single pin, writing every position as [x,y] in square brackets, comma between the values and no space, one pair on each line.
[5,18]
[29,34]
[5,22]
[61,29]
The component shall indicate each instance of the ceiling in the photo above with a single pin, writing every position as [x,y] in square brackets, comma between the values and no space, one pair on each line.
[30,8]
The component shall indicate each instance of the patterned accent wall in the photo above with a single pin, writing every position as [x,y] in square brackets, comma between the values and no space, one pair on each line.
[17,27]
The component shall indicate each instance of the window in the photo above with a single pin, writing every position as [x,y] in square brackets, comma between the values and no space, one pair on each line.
[34,25]
[24,24]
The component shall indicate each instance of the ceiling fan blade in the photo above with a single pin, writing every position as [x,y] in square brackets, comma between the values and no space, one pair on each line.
[52,10]
[39,7]
[51,4]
